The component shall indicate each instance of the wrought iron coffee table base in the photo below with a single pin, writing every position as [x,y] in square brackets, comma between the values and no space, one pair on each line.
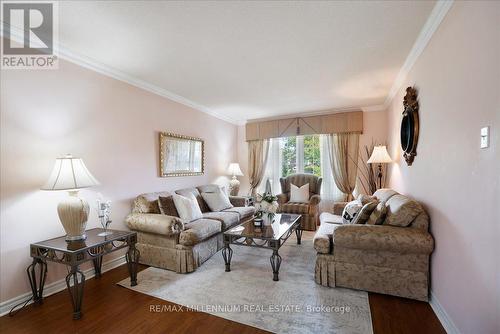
[275,259]
[75,280]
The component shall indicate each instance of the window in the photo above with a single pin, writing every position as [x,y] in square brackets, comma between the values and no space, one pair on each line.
[300,154]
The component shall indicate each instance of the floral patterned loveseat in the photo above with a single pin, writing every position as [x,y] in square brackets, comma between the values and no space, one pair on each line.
[382,258]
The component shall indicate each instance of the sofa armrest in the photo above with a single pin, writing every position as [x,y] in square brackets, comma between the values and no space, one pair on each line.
[238,200]
[338,208]
[314,200]
[383,238]
[154,223]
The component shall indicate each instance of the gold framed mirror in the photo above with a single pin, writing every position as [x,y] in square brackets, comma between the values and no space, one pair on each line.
[181,155]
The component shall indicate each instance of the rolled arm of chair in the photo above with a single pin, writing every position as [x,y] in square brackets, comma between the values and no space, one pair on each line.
[383,238]
[314,200]
[338,208]
[238,200]
[154,223]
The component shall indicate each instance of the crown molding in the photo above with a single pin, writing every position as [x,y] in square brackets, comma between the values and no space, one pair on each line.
[65,53]
[431,25]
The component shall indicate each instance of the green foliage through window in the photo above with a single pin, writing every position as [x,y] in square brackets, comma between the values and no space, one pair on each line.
[289,155]
[312,155]
[309,150]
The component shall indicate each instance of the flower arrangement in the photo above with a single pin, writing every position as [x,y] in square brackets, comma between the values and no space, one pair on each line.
[266,205]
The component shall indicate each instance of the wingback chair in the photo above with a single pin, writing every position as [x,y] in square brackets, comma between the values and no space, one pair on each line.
[309,211]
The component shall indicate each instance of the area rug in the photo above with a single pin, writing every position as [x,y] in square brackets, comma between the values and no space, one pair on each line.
[247,294]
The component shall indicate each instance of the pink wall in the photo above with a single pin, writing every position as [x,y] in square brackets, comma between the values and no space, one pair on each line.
[113,126]
[457,77]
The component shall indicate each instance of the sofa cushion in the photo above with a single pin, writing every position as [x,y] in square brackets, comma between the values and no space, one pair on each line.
[148,203]
[350,212]
[199,230]
[327,217]
[401,211]
[383,238]
[210,188]
[365,212]
[378,215]
[217,200]
[167,206]
[186,191]
[299,208]
[365,199]
[299,194]
[228,219]
[187,207]
[384,194]
[323,238]
[244,212]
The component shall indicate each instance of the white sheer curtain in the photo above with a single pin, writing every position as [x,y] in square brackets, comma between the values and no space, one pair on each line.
[273,168]
[329,190]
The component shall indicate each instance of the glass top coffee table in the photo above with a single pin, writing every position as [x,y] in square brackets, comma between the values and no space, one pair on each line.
[270,237]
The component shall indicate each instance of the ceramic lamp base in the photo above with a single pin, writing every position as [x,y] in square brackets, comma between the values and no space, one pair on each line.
[234,186]
[73,212]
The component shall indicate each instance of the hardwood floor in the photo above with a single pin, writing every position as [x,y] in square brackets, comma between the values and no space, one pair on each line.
[109,308]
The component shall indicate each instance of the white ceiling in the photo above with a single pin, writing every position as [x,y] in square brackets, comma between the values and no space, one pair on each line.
[249,60]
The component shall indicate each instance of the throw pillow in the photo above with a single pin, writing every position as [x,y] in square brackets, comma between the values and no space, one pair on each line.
[217,201]
[365,212]
[401,211]
[378,215]
[350,212]
[365,199]
[299,195]
[187,207]
[167,206]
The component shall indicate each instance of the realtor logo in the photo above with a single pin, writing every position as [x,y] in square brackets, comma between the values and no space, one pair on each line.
[29,31]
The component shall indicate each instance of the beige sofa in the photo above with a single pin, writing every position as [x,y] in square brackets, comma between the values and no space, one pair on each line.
[379,258]
[166,242]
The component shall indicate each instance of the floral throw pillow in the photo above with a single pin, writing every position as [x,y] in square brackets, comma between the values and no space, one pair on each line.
[350,212]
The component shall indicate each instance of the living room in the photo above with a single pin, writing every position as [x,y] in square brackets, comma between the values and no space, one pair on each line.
[250,167]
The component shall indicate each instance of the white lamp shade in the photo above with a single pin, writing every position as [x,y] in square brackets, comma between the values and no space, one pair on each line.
[69,173]
[379,155]
[234,169]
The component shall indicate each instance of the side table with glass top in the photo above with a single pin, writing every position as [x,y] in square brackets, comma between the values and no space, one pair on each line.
[73,254]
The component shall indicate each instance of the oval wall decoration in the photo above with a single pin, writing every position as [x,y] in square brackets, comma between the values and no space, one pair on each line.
[410,125]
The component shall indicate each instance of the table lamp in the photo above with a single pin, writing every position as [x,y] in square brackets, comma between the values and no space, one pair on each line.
[70,174]
[234,184]
[379,156]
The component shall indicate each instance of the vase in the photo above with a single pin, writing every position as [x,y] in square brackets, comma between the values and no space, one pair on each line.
[267,220]
[73,212]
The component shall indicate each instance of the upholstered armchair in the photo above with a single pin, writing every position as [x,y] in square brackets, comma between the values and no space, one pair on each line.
[309,211]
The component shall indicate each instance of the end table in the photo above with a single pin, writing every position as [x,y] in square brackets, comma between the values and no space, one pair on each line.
[74,253]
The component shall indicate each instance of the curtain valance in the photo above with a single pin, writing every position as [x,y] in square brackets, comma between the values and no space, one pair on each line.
[346,122]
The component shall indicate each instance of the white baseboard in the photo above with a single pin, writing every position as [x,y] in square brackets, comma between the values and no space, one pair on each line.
[445,319]
[59,285]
